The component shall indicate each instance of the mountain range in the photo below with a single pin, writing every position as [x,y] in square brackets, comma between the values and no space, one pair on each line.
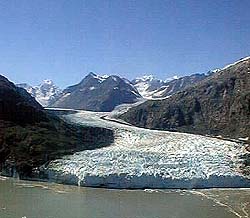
[104,93]
[152,88]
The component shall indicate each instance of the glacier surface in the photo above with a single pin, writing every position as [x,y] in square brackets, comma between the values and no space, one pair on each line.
[142,158]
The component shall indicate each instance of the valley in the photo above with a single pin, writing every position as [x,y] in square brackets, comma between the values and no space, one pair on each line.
[124,109]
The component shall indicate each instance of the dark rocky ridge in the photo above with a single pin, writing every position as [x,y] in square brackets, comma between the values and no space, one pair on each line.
[218,105]
[17,105]
[30,137]
[97,93]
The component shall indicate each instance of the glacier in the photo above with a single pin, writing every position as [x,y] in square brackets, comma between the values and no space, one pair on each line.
[143,158]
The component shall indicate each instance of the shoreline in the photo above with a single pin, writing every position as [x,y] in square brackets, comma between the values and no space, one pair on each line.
[245,184]
[4,178]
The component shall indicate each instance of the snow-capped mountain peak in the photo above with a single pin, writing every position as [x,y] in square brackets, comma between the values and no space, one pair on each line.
[98,93]
[152,88]
[45,93]
[147,84]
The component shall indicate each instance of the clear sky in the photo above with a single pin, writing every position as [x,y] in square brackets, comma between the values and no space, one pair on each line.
[64,40]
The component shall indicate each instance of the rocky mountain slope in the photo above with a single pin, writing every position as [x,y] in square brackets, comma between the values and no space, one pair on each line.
[98,93]
[46,93]
[218,105]
[30,136]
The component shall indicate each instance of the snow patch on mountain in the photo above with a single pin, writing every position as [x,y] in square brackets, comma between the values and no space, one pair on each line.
[171,78]
[92,88]
[237,62]
[99,78]
[160,92]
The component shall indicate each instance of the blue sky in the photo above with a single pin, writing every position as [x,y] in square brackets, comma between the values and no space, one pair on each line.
[64,40]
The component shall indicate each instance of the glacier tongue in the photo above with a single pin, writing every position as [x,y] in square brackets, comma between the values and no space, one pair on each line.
[141,158]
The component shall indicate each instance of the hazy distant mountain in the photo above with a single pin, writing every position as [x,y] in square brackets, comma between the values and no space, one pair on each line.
[147,85]
[218,105]
[152,88]
[98,93]
[46,93]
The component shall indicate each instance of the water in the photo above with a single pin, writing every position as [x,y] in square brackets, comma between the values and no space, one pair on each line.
[24,199]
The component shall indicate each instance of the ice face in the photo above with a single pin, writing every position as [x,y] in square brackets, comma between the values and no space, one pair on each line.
[141,158]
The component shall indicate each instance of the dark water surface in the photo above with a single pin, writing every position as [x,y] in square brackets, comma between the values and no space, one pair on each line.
[24,199]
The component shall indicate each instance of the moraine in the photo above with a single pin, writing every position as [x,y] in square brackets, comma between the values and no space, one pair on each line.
[142,158]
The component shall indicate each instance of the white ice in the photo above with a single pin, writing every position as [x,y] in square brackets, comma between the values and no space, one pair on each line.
[141,158]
